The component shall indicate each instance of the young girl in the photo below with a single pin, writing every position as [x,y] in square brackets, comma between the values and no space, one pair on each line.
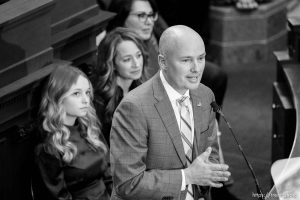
[72,159]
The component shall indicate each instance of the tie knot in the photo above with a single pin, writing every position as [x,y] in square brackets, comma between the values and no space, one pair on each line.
[183,101]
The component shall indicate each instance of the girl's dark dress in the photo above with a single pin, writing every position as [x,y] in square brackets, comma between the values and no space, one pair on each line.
[83,178]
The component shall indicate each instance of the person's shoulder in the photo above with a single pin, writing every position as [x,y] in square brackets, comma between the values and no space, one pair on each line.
[141,92]
[204,92]
[204,88]
[46,150]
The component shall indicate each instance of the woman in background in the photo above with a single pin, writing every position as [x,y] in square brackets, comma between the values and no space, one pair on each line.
[142,17]
[121,59]
[139,16]
[72,158]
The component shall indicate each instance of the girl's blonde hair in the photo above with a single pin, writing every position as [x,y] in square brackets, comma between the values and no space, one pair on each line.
[53,113]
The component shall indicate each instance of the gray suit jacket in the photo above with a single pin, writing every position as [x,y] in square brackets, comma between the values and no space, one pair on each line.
[146,147]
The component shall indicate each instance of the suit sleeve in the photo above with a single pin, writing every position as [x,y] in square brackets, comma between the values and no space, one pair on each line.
[132,180]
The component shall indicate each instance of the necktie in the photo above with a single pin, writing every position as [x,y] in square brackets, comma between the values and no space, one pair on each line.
[186,135]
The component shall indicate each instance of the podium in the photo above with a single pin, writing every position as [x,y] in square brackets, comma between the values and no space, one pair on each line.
[286,119]
[286,98]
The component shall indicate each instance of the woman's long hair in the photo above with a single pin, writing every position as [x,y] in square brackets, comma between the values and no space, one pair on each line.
[105,73]
[53,114]
[122,9]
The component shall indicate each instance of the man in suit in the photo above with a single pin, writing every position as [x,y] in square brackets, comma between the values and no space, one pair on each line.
[162,147]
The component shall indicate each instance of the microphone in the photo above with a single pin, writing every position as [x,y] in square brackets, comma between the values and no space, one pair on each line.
[217,109]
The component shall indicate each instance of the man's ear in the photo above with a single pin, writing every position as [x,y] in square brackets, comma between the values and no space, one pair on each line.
[162,62]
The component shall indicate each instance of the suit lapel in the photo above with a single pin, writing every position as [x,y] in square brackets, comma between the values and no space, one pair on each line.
[165,110]
[198,122]
[198,148]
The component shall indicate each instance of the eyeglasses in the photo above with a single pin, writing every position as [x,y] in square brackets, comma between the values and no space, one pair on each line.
[144,16]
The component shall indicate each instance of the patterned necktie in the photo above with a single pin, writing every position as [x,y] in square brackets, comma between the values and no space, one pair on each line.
[186,135]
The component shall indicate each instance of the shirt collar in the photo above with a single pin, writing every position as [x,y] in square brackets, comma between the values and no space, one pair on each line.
[171,92]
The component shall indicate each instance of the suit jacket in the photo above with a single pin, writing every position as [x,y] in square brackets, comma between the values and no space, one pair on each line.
[147,153]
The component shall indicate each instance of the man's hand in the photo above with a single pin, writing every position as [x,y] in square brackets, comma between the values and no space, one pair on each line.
[205,173]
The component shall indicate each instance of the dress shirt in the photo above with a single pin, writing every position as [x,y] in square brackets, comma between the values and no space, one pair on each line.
[173,97]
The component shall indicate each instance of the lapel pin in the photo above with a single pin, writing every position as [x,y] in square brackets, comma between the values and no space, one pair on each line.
[199,104]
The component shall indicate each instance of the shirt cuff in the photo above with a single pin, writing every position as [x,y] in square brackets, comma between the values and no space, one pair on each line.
[183,184]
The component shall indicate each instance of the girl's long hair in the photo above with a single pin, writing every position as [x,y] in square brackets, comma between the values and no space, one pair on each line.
[53,114]
[105,73]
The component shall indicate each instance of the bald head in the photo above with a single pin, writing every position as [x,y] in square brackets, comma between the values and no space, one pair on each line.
[175,36]
[181,57]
